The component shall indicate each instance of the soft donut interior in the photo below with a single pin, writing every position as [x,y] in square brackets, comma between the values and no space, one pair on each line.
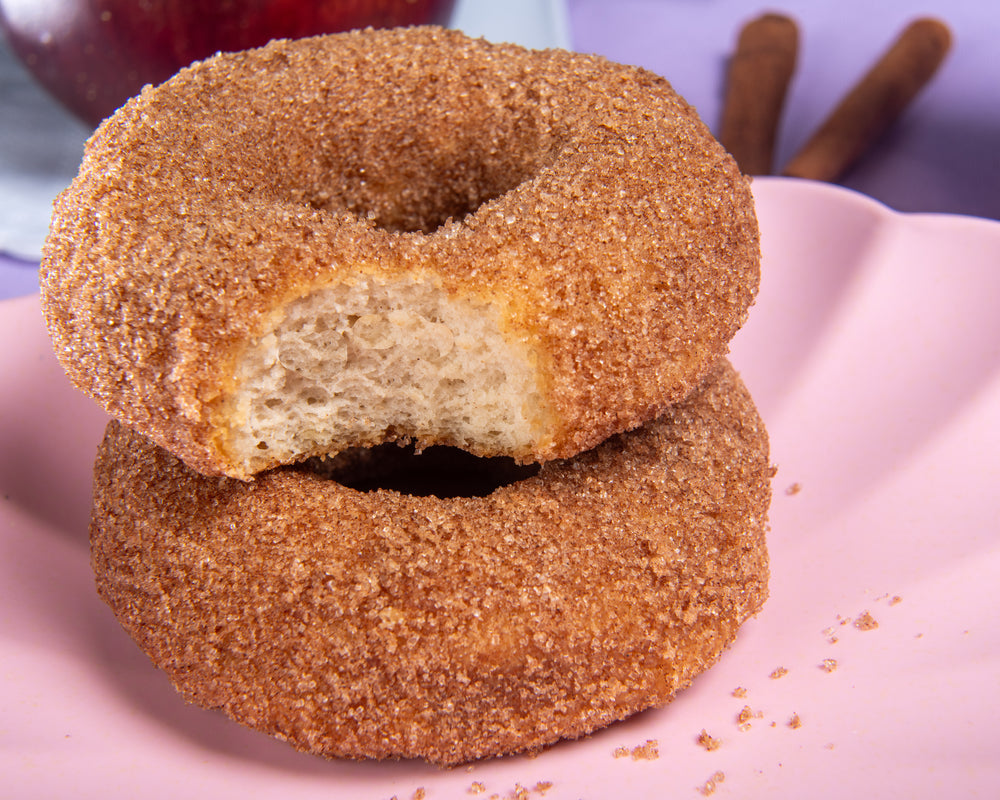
[366,362]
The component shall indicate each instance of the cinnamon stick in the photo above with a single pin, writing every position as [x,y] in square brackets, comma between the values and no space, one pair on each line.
[874,103]
[757,82]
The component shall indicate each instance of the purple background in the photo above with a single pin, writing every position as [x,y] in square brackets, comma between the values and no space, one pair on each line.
[942,156]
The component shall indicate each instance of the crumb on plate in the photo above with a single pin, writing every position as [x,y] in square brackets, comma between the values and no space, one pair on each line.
[649,751]
[708,741]
[865,622]
[745,716]
[709,786]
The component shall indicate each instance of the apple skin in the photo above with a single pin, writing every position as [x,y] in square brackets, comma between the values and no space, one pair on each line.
[92,55]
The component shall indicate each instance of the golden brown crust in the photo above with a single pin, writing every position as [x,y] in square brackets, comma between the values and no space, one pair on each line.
[384,625]
[615,234]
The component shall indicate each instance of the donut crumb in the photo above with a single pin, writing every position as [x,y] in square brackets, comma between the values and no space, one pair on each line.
[794,722]
[865,622]
[828,664]
[709,786]
[778,673]
[746,715]
[648,751]
[708,741]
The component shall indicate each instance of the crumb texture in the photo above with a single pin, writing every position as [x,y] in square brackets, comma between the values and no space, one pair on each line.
[369,362]
[379,624]
[582,203]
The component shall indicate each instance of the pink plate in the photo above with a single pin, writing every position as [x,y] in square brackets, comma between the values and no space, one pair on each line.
[874,354]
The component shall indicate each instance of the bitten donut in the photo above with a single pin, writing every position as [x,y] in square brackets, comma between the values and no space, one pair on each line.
[397,235]
[377,624]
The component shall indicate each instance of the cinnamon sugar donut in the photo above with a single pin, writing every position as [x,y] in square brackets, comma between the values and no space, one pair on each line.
[397,235]
[379,624]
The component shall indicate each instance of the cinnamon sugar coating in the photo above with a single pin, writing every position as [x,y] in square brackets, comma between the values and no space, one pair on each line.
[378,624]
[582,200]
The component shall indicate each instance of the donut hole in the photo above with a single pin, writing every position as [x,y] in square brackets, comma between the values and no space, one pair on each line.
[369,362]
[422,158]
[437,471]
[439,193]
[428,194]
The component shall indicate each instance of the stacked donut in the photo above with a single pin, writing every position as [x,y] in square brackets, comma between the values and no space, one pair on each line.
[424,443]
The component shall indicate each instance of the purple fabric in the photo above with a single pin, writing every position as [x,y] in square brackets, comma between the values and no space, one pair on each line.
[18,276]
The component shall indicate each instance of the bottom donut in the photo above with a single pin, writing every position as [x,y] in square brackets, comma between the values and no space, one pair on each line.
[374,623]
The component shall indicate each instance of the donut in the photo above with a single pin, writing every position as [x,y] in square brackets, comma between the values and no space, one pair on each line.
[374,623]
[399,235]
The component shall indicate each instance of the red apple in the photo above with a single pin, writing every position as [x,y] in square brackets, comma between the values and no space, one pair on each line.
[93,55]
